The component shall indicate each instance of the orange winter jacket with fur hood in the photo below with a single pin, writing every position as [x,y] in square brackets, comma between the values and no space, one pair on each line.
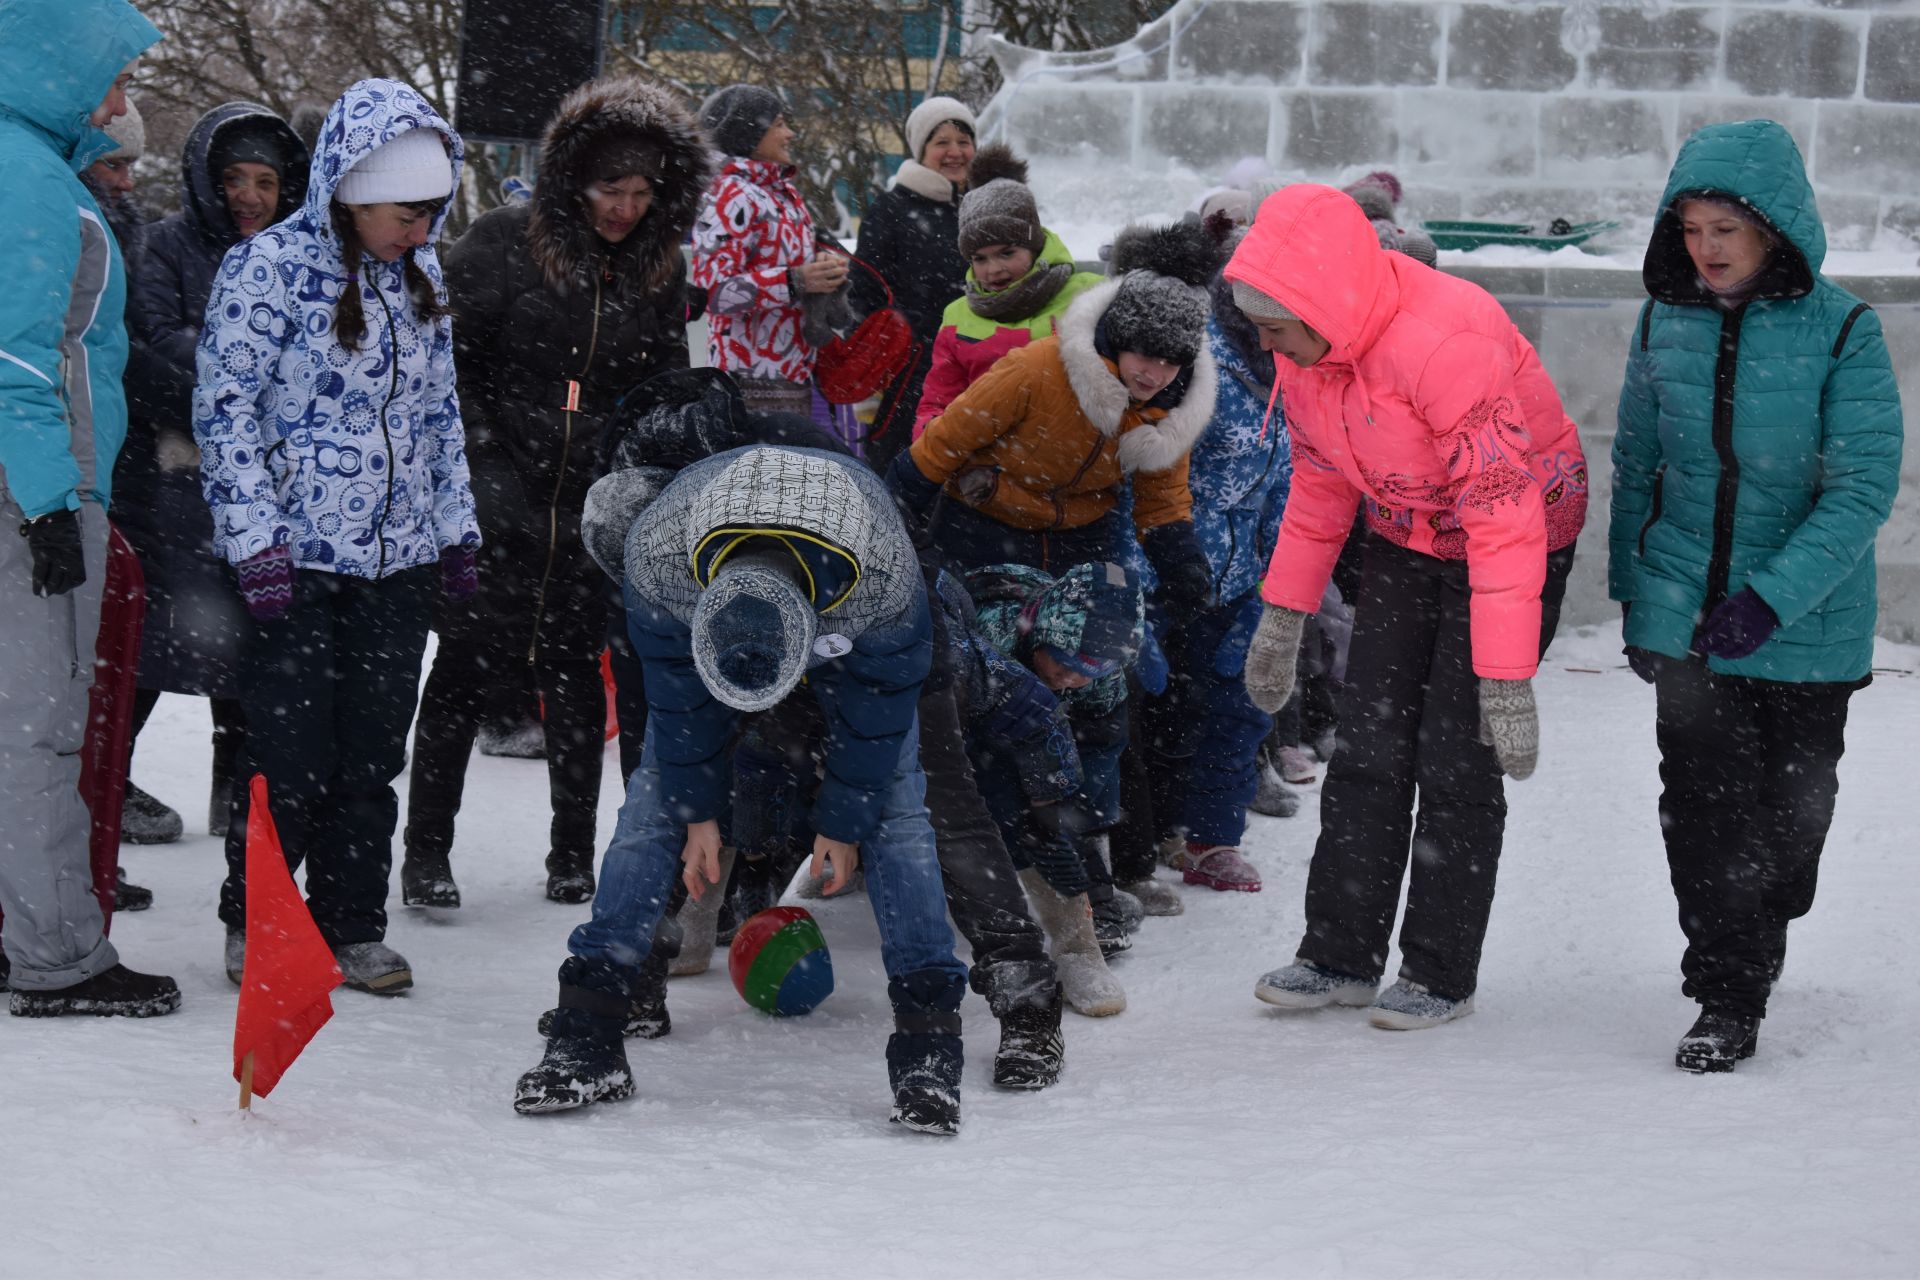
[1044,439]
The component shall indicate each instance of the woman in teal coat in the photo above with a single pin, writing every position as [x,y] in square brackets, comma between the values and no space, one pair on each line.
[1757,455]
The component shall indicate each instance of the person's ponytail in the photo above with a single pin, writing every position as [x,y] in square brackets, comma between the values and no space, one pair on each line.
[349,314]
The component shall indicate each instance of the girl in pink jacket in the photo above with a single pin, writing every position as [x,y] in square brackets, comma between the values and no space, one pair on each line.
[1410,394]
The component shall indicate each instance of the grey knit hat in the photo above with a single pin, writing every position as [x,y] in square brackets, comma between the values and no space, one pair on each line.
[129,133]
[737,117]
[1257,304]
[1159,316]
[1001,212]
[753,630]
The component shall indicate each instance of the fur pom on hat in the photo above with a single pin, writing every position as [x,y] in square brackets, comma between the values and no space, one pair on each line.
[1161,306]
[1376,194]
[999,207]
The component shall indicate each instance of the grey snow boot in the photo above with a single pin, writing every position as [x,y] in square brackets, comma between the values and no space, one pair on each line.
[145,820]
[1273,797]
[1156,897]
[1304,985]
[1412,1006]
[700,922]
[374,967]
[1085,980]
[236,955]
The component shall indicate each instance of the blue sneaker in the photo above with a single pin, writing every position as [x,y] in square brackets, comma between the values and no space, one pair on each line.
[1303,985]
[1408,1006]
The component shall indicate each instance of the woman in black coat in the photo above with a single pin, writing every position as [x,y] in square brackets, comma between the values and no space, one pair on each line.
[560,305]
[911,236]
[243,169]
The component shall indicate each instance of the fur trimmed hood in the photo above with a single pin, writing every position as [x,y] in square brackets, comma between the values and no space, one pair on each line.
[1156,443]
[559,235]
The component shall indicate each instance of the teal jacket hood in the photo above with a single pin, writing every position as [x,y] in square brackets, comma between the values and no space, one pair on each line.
[58,59]
[1756,164]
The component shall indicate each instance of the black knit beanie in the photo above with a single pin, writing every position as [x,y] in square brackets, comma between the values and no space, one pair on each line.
[737,117]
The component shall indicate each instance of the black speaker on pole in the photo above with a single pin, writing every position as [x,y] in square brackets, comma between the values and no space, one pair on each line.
[518,58]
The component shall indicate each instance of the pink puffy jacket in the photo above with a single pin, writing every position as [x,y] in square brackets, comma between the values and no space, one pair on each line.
[1430,407]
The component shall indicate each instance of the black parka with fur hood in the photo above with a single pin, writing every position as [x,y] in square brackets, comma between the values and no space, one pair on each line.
[552,324]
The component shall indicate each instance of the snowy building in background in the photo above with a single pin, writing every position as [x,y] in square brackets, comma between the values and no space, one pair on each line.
[1498,110]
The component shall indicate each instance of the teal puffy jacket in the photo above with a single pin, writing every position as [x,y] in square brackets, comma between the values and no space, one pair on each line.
[1758,446]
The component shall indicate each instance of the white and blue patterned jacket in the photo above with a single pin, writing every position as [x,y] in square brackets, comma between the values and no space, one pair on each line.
[353,460]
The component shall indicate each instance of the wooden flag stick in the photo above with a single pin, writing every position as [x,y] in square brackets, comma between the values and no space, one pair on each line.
[246,1082]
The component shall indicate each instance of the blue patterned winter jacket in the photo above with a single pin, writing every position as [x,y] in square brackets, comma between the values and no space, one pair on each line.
[1239,479]
[354,460]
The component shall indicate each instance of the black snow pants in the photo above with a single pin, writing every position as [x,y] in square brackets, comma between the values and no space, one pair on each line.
[1750,772]
[1411,727]
[328,691]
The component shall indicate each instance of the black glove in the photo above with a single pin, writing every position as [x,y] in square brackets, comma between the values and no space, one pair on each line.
[1186,579]
[911,489]
[1644,663]
[58,565]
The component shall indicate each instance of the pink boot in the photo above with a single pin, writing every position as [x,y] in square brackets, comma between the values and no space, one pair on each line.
[1220,867]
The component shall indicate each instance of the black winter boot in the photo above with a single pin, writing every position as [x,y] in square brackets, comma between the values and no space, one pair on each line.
[1717,1041]
[1031,1051]
[128,896]
[646,1017]
[924,1056]
[118,992]
[570,875]
[147,820]
[427,881]
[586,1060]
[226,755]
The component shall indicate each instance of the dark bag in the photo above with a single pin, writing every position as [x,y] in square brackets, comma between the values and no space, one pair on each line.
[860,365]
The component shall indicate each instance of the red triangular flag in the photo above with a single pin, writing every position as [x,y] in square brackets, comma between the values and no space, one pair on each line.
[290,969]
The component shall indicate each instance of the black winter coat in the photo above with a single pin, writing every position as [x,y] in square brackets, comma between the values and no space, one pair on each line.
[551,326]
[193,622]
[913,242]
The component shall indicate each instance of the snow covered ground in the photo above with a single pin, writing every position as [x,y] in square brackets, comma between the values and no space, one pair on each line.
[1198,1134]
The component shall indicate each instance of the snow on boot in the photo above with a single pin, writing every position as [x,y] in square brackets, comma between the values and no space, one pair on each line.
[570,876]
[145,820]
[528,741]
[1304,985]
[427,881]
[1219,866]
[1272,796]
[647,1017]
[374,967]
[1410,1006]
[924,1053]
[1326,742]
[1296,766]
[1031,1051]
[236,955]
[1156,897]
[585,1062]
[1086,982]
[128,896]
[700,921]
[118,992]
[1715,1043]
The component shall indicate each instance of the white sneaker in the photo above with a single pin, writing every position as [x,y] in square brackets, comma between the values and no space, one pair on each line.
[1301,985]
[1408,1006]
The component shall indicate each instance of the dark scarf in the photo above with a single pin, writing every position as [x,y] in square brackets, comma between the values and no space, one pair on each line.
[1024,298]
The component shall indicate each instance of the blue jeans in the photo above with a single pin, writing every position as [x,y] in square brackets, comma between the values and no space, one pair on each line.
[642,864]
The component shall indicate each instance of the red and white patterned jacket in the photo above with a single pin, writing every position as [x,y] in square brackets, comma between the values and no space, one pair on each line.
[752,229]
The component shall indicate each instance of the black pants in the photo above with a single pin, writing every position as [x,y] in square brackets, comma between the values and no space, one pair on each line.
[479,648]
[1412,727]
[229,730]
[329,691]
[1011,968]
[1750,769]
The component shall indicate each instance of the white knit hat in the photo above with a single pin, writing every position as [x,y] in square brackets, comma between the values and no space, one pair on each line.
[413,166]
[130,132]
[927,118]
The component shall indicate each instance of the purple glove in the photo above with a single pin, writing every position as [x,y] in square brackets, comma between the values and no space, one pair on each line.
[266,583]
[459,574]
[1738,627]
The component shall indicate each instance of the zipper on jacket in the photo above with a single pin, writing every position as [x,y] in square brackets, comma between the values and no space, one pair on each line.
[1653,509]
[559,480]
[386,431]
[1727,491]
[1059,504]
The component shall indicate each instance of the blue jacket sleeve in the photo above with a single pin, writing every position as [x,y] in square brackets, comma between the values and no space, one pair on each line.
[39,255]
[691,730]
[870,698]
